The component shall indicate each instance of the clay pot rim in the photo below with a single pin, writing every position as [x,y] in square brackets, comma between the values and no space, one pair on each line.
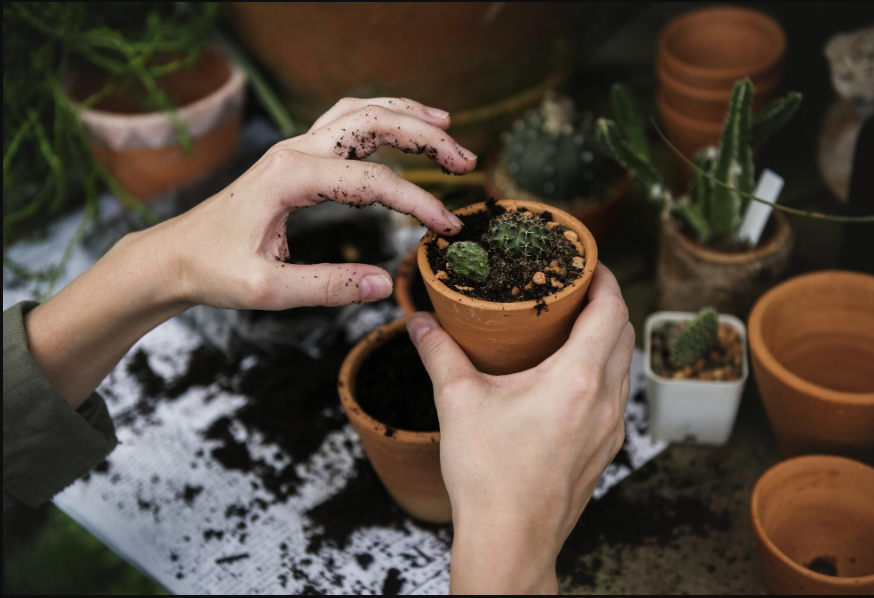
[668,112]
[694,17]
[760,349]
[348,377]
[618,189]
[586,238]
[780,237]
[236,79]
[684,316]
[710,95]
[799,463]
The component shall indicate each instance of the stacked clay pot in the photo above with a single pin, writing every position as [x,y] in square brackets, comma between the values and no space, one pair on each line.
[700,55]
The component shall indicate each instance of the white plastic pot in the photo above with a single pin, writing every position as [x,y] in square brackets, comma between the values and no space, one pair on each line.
[698,411]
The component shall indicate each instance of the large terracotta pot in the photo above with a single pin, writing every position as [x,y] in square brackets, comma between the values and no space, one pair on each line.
[690,276]
[503,338]
[408,463]
[142,150]
[711,48]
[599,217]
[814,517]
[812,346]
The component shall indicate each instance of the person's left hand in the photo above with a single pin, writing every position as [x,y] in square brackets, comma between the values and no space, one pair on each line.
[231,250]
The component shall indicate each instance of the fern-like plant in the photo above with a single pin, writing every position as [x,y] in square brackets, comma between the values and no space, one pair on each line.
[713,211]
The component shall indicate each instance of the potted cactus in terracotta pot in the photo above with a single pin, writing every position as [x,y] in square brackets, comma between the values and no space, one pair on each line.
[552,155]
[509,287]
[696,368]
[703,260]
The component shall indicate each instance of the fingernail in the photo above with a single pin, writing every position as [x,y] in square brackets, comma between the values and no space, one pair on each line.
[465,153]
[436,112]
[374,287]
[454,220]
[419,324]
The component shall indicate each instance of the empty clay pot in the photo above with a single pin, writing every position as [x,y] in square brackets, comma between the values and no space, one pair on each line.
[142,150]
[812,346]
[408,463]
[503,338]
[814,520]
[690,276]
[711,48]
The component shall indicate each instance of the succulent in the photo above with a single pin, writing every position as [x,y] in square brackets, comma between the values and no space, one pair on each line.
[696,338]
[469,260]
[714,211]
[553,152]
[519,234]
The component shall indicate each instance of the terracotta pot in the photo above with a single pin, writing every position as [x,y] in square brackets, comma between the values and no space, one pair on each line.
[688,135]
[690,276]
[711,48]
[503,338]
[816,510]
[408,463]
[410,293]
[142,150]
[599,217]
[709,105]
[812,346]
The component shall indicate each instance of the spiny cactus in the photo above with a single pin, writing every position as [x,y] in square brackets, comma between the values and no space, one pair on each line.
[713,211]
[520,234]
[469,260]
[696,339]
[553,152]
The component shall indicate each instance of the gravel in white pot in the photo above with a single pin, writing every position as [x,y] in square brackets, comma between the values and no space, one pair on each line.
[698,411]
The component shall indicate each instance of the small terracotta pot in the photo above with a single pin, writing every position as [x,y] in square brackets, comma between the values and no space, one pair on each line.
[816,510]
[142,150]
[599,217]
[503,338]
[408,297]
[812,346]
[688,135]
[690,276]
[408,463]
[711,48]
[709,105]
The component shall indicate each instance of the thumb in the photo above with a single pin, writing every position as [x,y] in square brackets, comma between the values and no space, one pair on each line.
[330,285]
[442,356]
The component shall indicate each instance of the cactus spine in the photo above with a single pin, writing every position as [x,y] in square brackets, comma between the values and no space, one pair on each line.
[696,339]
[519,234]
[469,260]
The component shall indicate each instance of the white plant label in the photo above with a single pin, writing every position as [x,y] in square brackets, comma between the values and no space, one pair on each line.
[769,188]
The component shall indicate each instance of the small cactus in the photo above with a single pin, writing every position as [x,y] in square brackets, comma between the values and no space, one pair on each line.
[520,234]
[469,260]
[696,339]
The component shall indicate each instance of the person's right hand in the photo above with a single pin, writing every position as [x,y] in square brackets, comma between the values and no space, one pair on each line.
[522,454]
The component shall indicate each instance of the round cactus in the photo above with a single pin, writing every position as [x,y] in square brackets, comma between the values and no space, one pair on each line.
[520,234]
[553,152]
[469,260]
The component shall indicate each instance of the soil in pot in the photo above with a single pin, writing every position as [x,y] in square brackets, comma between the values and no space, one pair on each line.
[394,388]
[511,279]
[724,362]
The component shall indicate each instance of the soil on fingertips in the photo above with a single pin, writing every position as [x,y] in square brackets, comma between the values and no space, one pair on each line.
[508,272]
[723,363]
[394,388]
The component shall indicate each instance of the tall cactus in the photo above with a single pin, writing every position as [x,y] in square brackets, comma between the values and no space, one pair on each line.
[696,339]
[711,209]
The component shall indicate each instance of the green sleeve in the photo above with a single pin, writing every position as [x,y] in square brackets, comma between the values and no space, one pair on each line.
[46,444]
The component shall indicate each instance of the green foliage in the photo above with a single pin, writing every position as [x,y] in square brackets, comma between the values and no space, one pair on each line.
[469,260]
[519,234]
[696,339]
[723,178]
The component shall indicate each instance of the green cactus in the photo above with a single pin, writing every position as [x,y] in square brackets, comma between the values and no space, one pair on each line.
[469,260]
[696,339]
[520,234]
[713,211]
[553,152]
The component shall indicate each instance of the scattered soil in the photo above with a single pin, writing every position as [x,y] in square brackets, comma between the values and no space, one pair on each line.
[723,363]
[508,272]
[394,388]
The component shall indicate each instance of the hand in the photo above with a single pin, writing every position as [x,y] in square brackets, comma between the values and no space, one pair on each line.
[522,454]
